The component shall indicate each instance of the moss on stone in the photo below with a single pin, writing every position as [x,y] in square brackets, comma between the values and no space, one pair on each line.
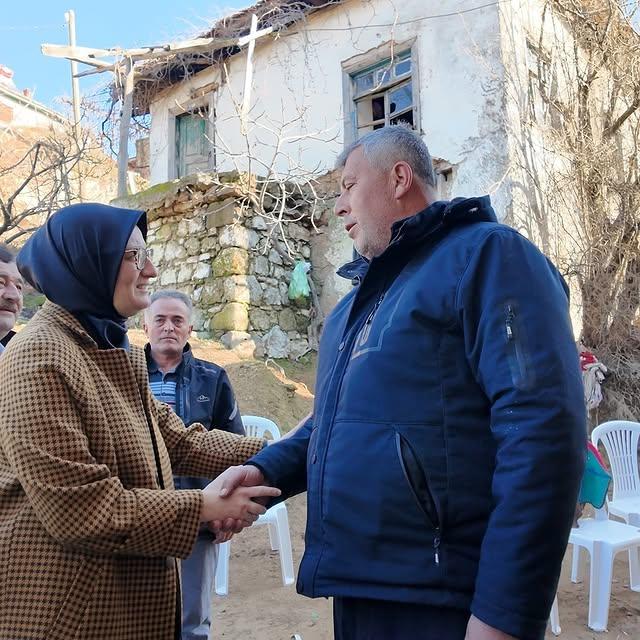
[233,317]
[231,261]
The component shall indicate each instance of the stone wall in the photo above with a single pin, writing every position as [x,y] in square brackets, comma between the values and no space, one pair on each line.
[210,243]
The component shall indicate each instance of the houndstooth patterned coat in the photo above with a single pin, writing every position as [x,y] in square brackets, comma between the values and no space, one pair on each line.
[88,538]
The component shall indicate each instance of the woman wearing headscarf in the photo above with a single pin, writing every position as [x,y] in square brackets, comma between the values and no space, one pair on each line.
[90,526]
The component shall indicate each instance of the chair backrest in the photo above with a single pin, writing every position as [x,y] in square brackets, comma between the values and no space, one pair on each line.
[258,427]
[620,440]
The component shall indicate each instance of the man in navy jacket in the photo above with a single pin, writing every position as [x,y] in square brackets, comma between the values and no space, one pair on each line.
[198,391]
[444,453]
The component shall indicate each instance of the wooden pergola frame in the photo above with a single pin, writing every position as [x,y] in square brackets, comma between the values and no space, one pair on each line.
[123,64]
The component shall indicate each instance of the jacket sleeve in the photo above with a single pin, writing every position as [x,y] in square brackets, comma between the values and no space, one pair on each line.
[284,463]
[194,451]
[226,413]
[80,502]
[513,307]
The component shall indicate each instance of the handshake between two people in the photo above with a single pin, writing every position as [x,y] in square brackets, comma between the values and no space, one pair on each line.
[234,500]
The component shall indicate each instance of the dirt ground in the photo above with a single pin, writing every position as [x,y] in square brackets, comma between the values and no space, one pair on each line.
[259,607]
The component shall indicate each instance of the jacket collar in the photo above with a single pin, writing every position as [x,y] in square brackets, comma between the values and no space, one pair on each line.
[183,367]
[52,311]
[412,230]
[5,341]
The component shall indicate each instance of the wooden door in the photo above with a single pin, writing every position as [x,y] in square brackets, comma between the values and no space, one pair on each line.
[192,143]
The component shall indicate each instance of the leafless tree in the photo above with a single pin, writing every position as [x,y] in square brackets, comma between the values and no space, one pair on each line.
[41,170]
[578,141]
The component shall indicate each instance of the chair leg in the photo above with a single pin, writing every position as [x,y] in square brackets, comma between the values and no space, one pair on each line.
[577,564]
[554,618]
[634,568]
[284,545]
[222,569]
[273,536]
[600,585]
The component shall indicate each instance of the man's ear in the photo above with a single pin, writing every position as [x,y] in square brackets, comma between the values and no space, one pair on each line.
[402,176]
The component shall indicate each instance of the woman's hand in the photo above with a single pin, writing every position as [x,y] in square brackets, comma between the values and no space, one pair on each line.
[239,506]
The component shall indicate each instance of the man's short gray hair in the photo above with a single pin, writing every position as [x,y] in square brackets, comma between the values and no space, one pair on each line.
[384,147]
[175,295]
[7,254]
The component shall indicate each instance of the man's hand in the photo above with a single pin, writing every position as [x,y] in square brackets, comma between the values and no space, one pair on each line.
[229,480]
[241,507]
[242,476]
[478,630]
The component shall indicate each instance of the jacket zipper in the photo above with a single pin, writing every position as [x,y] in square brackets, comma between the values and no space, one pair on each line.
[320,470]
[509,322]
[348,347]
[179,399]
[519,371]
[187,403]
[366,329]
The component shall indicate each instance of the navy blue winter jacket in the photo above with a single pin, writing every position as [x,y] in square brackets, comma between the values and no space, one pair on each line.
[445,451]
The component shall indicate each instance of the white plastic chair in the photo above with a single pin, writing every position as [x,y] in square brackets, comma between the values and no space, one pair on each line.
[603,538]
[554,618]
[276,518]
[620,440]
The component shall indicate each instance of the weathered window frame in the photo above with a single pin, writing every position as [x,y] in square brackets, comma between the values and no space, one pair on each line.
[382,62]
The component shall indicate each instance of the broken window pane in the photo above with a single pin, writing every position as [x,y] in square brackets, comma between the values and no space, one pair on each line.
[400,98]
[377,108]
[405,118]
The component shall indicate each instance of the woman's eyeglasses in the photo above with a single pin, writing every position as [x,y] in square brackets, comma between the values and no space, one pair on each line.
[141,254]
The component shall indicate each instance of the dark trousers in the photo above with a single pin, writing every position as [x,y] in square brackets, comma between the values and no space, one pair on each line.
[362,619]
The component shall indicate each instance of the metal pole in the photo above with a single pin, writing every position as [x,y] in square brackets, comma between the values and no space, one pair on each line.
[70,19]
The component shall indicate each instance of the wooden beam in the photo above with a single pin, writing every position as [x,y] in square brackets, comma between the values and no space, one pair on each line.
[99,64]
[248,75]
[253,35]
[125,119]
[66,51]
[203,90]
[90,72]
[89,55]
